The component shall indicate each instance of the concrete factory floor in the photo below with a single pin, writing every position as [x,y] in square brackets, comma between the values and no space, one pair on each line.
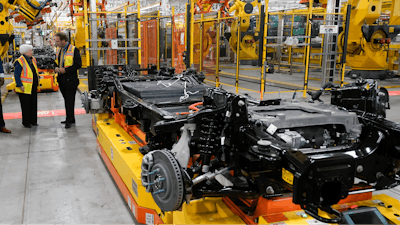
[52,175]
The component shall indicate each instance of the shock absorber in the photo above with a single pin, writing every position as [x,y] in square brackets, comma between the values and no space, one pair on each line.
[99,77]
[210,133]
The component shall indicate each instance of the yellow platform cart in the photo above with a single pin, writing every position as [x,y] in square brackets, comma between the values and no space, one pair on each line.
[47,81]
[120,152]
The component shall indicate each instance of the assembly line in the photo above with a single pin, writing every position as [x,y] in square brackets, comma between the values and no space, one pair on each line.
[200,112]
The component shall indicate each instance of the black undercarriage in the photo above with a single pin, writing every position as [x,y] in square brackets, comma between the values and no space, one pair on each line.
[203,141]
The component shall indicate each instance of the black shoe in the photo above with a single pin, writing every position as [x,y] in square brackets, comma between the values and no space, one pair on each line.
[64,122]
[35,124]
[28,126]
[67,125]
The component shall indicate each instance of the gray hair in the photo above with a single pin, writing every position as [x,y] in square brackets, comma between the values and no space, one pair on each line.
[25,48]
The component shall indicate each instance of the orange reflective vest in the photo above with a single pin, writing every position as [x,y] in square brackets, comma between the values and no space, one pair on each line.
[26,75]
[68,56]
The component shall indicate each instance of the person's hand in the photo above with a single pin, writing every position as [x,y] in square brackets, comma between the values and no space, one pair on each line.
[62,70]
[57,70]
[1,81]
[22,88]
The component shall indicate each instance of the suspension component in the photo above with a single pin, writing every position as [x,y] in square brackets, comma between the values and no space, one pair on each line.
[209,136]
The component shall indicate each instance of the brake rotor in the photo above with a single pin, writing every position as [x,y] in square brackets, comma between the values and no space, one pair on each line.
[379,34]
[162,176]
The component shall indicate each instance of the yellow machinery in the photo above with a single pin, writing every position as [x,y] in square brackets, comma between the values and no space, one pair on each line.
[47,81]
[45,58]
[367,50]
[205,32]
[207,40]
[244,26]
[28,11]
[78,38]
[25,11]
[244,30]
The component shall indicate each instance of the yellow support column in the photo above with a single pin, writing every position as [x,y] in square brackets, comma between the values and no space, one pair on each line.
[308,47]
[217,51]
[290,48]
[126,36]
[139,35]
[172,36]
[87,44]
[237,57]
[201,42]
[186,33]
[264,52]
[166,44]
[158,39]
[344,50]
[191,31]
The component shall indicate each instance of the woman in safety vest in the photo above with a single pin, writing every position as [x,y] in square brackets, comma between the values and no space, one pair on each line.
[26,78]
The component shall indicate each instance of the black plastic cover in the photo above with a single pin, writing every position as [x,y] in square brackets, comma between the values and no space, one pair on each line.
[320,179]
[160,92]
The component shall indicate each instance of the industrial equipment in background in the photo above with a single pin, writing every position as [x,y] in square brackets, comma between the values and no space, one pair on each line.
[245,30]
[369,48]
[77,37]
[45,57]
[206,6]
[200,141]
[24,11]
[369,39]
[29,12]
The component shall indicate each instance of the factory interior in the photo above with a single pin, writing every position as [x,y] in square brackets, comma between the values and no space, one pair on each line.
[200,112]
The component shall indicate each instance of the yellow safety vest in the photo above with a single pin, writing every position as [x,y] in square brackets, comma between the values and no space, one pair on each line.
[68,57]
[26,75]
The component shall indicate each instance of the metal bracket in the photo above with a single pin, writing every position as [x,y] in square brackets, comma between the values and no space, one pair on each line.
[120,48]
[109,39]
[101,19]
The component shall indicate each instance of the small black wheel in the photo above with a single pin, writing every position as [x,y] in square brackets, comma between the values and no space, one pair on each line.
[85,102]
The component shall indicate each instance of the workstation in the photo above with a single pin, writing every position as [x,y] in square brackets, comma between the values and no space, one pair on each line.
[201,112]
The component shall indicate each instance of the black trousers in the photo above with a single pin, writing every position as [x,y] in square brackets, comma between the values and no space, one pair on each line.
[2,123]
[69,101]
[29,107]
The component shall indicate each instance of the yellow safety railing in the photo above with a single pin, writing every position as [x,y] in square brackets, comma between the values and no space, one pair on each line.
[88,36]
[198,49]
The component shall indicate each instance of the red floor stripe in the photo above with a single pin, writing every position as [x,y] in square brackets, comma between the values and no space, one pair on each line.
[49,113]
[393,93]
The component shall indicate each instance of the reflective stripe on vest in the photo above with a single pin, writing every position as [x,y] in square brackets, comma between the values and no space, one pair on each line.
[28,80]
[68,56]
[26,75]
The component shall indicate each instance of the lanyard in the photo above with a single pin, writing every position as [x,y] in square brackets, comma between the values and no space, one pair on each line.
[62,58]
[63,51]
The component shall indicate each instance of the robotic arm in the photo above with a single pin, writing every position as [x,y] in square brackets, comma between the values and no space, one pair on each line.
[31,11]
[26,11]
[367,41]
[248,39]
